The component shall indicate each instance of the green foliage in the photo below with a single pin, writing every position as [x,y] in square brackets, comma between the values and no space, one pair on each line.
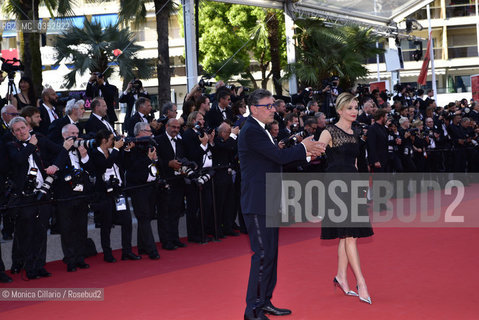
[91,48]
[324,51]
[225,28]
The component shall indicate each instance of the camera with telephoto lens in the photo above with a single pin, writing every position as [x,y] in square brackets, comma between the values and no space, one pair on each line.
[44,190]
[31,183]
[202,130]
[205,177]
[188,168]
[87,144]
[204,82]
[74,178]
[294,139]
[413,131]
[112,184]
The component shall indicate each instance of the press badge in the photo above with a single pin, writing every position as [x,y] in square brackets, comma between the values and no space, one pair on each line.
[120,203]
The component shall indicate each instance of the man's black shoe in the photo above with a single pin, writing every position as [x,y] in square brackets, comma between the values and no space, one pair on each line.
[71,268]
[44,273]
[83,265]
[33,275]
[109,259]
[169,246]
[276,311]
[179,244]
[154,256]
[259,317]
[130,256]
[4,278]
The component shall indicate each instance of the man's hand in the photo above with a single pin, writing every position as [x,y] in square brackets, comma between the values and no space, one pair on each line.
[377,164]
[68,143]
[155,125]
[204,139]
[152,154]
[33,140]
[175,164]
[211,137]
[118,144]
[51,170]
[235,130]
[281,144]
[315,148]
[83,151]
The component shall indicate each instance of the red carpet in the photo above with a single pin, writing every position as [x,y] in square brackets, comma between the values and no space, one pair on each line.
[421,273]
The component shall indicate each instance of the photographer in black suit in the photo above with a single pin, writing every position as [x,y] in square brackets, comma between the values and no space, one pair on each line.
[142,167]
[74,112]
[133,92]
[377,142]
[170,204]
[107,160]
[32,180]
[199,144]
[98,87]
[225,151]
[72,215]
[142,114]
[221,112]
[47,109]
[98,119]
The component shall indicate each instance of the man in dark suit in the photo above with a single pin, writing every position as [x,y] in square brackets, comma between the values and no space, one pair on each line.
[47,110]
[142,167]
[224,155]
[74,112]
[143,109]
[377,142]
[72,215]
[366,116]
[30,173]
[221,112]
[98,119]
[8,113]
[133,92]
[98,87]
[170,149]
[259,155]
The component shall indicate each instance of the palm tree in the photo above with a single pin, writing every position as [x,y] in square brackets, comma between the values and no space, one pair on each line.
[97,50]
[30,42]
[324,51]
[136,10]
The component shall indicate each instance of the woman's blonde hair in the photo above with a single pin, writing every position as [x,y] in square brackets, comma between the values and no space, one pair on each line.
[344,99]
[416,124]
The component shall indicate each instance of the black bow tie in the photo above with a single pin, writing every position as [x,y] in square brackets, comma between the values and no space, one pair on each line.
[103,118]
[173,139]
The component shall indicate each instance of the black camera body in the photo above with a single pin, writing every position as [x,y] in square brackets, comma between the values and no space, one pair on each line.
[75,179]
[87,144]
[10,68]
[202,130]
[112,184]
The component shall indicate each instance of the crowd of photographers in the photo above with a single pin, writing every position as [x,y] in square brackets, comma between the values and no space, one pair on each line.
[55,168]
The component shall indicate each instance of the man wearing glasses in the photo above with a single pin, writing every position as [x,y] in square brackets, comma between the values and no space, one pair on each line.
[260,155]
[8,113]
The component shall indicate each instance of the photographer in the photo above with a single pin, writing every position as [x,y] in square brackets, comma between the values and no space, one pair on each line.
[169,110]
[394,143]
[459,138]
[112,207]
[8,113]
[74,112]
[377,143]
[406,149]
[170,203]
[72,214]
[142,167]
[48,113]
[369,108]
[32,181]
[222,111]
[291,126]
[435,159]
[98,87]
[133,92]
[199,143]
[3,101]
[330,91]
[98,118]
[224,154]
[419,144]
[143,114]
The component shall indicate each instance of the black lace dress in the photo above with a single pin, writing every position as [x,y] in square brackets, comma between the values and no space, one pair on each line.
[342,159]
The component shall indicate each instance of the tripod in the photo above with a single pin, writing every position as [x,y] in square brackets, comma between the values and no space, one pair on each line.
[11,87]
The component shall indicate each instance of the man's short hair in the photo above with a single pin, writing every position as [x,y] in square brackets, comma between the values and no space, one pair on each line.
[223,94]
[379,114]
[310,121]
[16,120]
[402,120]
[95,103]
[139,126]
[257,95]
[72,105]
[289,117]
[29,111]
[311,103]
[278,102]
[191,120]
[167,106]
[66,128]
[45,92]
[141,101]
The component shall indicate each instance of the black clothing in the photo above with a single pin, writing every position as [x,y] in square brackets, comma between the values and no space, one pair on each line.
[109,93]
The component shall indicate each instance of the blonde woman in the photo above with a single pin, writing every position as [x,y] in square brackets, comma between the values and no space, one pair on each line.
[342,151]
